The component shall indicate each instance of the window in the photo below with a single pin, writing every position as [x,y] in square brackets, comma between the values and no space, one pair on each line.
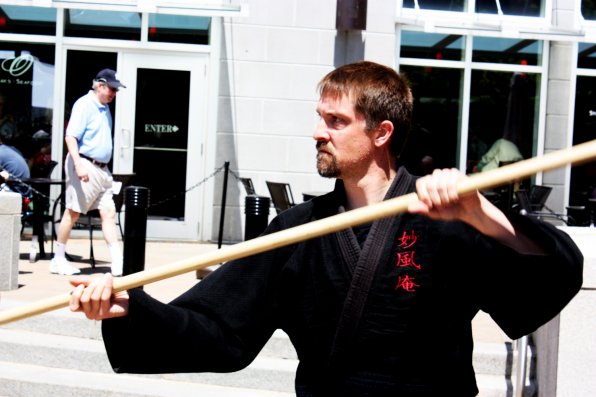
[442,5]
[502,113]
[28,20]
[462,108]
[529,8]
[103,24]
[431,45]
[26,97]
[179,29]
[589,9]
[509,51]
[586,58]
[433,139]
[583,176]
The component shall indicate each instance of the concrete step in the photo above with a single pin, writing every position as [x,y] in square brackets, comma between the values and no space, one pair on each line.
[88,355]
[66,323]
[500,386]
[489,358]
[65,340]
[20,380]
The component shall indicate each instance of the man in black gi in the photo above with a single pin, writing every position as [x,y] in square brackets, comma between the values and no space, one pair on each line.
[383,309]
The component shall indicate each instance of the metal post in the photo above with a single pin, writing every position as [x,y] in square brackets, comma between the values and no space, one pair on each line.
[136,200]
[522,351]
[223,203]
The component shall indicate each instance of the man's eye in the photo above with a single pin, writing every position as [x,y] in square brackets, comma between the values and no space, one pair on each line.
[337,121]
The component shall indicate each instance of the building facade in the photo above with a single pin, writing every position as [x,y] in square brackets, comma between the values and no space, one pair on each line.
[235,81]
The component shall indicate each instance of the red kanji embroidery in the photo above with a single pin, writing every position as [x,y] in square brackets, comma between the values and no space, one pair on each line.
[407,240]
[406,283]
[406,259]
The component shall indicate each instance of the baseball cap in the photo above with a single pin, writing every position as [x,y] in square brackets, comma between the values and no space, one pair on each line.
[108,76]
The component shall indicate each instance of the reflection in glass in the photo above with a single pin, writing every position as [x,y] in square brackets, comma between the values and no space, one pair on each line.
[179,28]
[586,56]
[103,24]
[431,46]
[502,118]
[433,140]
[528,8]
[26,95]
[583,177]
[161,138]
[510,51]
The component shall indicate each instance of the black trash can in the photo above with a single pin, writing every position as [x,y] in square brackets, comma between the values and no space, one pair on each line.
[136,200]
[257,215]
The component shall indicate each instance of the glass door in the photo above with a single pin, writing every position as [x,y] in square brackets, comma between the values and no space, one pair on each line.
[158,136]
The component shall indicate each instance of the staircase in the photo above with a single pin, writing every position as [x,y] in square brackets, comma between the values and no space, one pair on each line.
[61,354]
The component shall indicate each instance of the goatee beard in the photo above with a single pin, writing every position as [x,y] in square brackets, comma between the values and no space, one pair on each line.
[327,165]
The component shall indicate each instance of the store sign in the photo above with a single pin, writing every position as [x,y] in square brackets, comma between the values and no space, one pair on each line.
[159,129]
[18,66]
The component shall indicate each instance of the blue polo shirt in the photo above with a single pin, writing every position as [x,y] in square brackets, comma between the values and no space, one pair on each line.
[91,123]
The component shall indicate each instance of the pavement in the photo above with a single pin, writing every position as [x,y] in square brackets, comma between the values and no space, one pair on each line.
[37,283]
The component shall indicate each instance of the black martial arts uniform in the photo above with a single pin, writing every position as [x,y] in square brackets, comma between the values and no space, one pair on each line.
[406,289]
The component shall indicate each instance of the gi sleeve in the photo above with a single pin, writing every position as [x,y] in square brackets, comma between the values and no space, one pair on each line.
[219,325]
[523,292]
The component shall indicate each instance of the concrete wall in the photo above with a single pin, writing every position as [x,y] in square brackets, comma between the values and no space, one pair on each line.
[10,228]
[271,63]
[558,109]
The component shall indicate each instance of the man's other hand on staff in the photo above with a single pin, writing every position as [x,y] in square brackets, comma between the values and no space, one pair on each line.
[94,296]
[439,199]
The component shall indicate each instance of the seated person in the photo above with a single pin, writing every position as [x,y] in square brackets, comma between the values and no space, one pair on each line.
[40,162]
[502,150]
[13,168]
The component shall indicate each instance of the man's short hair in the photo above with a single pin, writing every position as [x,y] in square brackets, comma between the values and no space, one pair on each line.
[379,93]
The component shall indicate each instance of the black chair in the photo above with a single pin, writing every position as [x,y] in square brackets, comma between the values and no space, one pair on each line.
[533,203]
[281,195]
[92,219]
[39,200]
[42,192]
[538,196]
[248,186]
[126,180]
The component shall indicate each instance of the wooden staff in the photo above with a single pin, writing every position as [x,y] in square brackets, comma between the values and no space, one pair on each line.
[500,176]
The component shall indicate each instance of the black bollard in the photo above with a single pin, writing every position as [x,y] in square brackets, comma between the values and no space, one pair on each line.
[256,209]
[136,200]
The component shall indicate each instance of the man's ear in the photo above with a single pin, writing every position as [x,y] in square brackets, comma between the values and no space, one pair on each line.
[383,133]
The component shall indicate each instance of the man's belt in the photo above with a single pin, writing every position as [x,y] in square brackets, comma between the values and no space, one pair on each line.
[93,161]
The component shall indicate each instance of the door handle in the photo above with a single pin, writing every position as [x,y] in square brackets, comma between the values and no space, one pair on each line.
[125,139]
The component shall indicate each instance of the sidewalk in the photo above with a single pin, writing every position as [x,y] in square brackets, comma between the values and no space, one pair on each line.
[36,282]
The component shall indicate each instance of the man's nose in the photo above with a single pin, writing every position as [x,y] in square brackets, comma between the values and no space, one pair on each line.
[320,133]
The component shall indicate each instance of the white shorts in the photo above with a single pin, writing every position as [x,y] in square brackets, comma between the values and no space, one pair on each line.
[96,193]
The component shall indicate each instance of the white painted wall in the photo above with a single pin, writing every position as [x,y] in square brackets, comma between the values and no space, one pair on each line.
[271,62]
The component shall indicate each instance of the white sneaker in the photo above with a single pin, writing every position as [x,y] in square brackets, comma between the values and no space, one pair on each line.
[61,266]
[117,267]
